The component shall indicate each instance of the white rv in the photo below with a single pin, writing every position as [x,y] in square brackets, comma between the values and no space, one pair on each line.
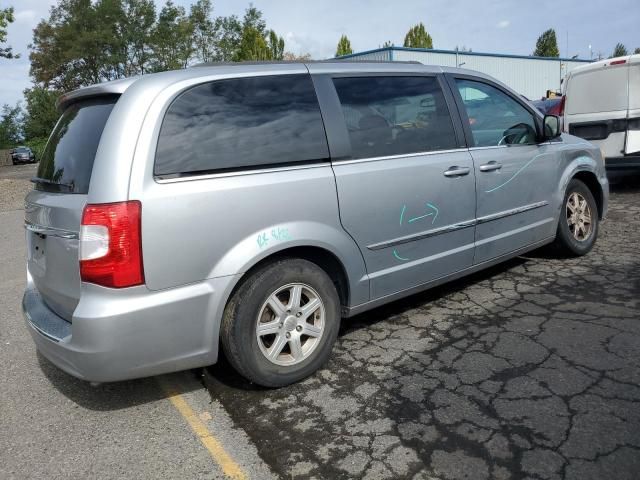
[602,105]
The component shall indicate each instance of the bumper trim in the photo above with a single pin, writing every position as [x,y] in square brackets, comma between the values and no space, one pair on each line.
[42,319]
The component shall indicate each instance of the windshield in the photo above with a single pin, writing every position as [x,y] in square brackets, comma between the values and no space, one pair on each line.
[67,160]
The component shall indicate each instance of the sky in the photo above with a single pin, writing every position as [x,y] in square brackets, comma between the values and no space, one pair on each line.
[494,26]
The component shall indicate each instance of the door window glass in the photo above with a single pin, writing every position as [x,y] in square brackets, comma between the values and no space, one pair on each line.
[395,115]
[494,117]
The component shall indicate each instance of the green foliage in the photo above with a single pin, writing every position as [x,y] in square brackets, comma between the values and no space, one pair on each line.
[79,44]
[6,17]
[228,37]
[619,51]
[387,44]
[344,46]
[135,30]
[204,30]
[418,37]
[636,51]
[89,41]
[276,46]
[10,126]
[547,45]
[172,45]
[41,114]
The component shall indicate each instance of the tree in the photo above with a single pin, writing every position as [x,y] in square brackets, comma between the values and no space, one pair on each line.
[256,42]
[136,30]
[252,46]
[387,44]
[228,34]
[292,57]
[547,45]
[41,114]
[204,30]
[344,47]
[10,126]
[89,41]
[636,51]
[619,51]
[418,37]
[78,45]
[171,39]
[276,46]
[6,17]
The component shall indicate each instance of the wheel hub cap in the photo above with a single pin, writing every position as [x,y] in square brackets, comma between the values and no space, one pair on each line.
[579,217]
[290,324]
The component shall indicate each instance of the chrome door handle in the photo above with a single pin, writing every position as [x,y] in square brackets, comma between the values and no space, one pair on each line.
[457,171]
[490,167]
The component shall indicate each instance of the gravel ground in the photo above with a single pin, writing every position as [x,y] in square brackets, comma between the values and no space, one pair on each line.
[14,186]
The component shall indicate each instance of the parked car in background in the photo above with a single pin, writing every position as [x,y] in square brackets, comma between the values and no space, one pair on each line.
[549,106]
[22,155]
[253,206]
[602,105]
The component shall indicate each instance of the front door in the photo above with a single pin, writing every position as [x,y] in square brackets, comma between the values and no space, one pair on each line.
[515,175]
[406,190]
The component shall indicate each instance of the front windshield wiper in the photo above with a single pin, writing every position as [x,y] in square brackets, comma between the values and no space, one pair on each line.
[46,181]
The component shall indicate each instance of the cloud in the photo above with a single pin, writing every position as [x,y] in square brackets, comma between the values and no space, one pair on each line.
[503,24]
[25,16]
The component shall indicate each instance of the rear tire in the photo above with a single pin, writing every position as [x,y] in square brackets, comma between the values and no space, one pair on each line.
[579,221]
[281,323]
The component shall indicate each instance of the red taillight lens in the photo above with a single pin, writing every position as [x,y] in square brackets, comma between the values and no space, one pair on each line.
[111,244]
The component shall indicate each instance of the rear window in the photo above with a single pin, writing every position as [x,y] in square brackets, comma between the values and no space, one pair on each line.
[242,123]
[67,160]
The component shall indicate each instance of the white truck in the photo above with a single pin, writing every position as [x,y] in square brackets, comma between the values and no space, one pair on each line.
[601,104]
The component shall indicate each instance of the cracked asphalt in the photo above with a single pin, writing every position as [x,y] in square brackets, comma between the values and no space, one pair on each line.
[529,370]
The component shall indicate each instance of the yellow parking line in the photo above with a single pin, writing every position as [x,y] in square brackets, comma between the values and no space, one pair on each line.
[211,443]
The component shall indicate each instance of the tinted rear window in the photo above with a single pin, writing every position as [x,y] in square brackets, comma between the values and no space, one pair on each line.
[67,160]
[242,123]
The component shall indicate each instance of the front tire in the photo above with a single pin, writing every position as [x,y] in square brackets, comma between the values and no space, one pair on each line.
[579,221]
[281,323]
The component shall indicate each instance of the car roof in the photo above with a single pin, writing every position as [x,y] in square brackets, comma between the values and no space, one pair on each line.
[118,87]
[627,59]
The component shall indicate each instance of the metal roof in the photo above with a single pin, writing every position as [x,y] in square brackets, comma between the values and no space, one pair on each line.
[479,54]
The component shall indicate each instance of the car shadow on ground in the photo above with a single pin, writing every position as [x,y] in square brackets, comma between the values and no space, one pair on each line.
[117,395]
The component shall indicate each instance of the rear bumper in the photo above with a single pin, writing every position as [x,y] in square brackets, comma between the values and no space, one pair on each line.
[130,333]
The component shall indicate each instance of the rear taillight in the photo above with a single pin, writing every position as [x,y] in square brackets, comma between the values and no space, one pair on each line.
[111,245]
[561,106]
[563,102]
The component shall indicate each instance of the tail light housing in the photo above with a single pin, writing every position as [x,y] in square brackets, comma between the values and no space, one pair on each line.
[563,102]
[111,244]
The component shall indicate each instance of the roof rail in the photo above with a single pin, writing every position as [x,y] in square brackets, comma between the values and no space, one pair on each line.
[285,62]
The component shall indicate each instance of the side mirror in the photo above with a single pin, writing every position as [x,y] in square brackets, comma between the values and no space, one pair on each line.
[551,127]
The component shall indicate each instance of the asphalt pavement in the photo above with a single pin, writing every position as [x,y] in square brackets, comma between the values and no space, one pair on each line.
[528,370]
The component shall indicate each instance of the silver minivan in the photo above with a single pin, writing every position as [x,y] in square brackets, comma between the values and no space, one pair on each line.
[251,207]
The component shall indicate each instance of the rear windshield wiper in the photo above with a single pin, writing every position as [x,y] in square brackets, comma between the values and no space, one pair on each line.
[46,181]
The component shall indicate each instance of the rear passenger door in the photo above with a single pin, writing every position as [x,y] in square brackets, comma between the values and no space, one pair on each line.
[405,183]
[515,175]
